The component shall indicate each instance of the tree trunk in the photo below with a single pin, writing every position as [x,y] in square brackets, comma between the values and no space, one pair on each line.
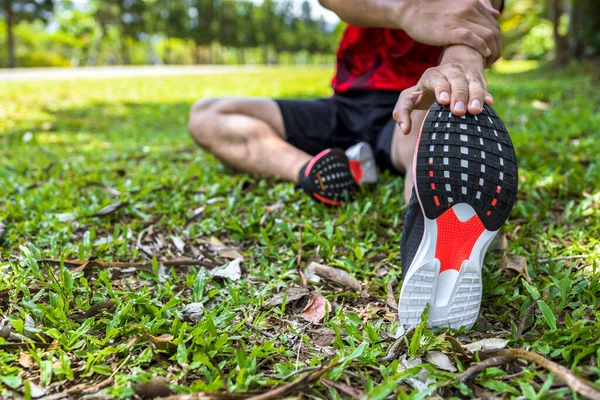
[560,44]
[12,60]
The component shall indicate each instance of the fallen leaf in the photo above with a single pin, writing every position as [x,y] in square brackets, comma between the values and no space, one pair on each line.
[500,243]
[419,381]
[231,270]
[322,337]
[5,328]
[486,345]
[36,391]
[224,251]
[65,217]
[193,312]
[108,209]
[316,308]
[96,308]
[440,360]
[336,276]
[195,214]
[391,298]
[25,360]
[155,387]
[178,242]
[515,263]
[540,105]
[290,295]
[161,342]
[344,388]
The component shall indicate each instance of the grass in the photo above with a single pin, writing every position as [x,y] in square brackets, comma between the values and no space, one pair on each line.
[70,148]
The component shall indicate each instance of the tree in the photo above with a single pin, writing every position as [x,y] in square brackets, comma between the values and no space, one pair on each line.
[15,11]
[583,35]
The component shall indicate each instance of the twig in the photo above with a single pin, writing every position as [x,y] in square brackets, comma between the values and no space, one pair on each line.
[257,329]
[504,356]
[523,322]
[471,373]
[123,265]
[300,371]
[546,260]
[85,389]
[303,280]
[393,351]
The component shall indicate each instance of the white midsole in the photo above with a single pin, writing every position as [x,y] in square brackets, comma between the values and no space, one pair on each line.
[442,290]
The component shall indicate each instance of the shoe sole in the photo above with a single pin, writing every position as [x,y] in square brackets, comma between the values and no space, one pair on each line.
[465,174]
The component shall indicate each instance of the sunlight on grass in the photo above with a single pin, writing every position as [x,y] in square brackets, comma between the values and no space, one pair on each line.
[111,174]
[515,66]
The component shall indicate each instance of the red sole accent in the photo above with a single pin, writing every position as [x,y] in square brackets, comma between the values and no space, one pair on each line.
[356,169]
[456,239]
[326,200]
[314,160]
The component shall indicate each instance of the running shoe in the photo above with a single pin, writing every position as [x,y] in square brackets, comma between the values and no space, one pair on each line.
[327,178]
[465,175]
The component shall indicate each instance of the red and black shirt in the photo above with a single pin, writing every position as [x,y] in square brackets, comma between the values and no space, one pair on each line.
[381,59]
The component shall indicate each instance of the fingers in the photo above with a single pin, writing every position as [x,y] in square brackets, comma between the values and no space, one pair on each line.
[469,38]
[490,36]
[476,97]
[489,100]
[405,105]
[434,81]
[460,91]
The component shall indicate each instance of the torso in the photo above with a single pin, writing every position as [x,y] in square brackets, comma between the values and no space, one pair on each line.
[381,59]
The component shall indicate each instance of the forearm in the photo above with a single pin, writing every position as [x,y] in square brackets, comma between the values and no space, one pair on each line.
[463,55]
[368,13]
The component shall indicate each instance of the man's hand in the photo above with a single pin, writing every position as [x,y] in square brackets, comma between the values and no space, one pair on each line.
[453,22]
[458,81]
[434,22]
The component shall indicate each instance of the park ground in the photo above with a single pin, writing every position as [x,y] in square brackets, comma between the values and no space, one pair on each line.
[103,172]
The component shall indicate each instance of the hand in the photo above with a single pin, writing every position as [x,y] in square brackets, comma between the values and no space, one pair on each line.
[458,81]
[450,22]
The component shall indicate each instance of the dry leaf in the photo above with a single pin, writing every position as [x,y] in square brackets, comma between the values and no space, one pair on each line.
[486,345]
[440,360]
[515,263]
[5,328]
[193,312]
[500,243]
[230,270]
[161,342]
[36,391]
[344,388]
[322,337]
[25,360]
[336,276]
[316,308]
[180,244]
[224,251]
[195,214]
[109,209]
[290,295]
[540,105]
[155,387]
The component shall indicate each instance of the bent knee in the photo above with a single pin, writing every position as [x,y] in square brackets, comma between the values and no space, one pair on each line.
[202,113]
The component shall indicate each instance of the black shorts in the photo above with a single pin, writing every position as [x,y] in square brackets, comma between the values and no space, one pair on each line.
[342,121]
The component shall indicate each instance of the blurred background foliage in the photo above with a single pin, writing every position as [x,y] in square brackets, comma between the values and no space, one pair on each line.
[37,33]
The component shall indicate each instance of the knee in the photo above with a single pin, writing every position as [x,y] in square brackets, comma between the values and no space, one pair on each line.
[201,119]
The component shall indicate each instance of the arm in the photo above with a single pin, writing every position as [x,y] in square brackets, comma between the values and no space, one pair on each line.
[458,81]
[433,22]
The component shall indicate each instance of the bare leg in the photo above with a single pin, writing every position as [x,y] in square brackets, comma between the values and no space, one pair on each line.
[246,134]
[403,150]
